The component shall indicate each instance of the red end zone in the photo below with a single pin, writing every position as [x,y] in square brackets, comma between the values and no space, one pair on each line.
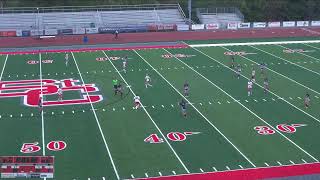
[250,174]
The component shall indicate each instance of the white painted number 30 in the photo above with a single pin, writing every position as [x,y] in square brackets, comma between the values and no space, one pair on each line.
[34,147]
[285,128]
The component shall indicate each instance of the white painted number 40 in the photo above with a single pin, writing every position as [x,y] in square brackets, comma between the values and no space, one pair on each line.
[172,136]
[34,147]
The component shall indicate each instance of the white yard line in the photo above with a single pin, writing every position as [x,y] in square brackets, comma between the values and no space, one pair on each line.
[97,120]
[276,73]
[154,123]
[247,107]
[312,46]
[286,60]
[4,65]
[253,43]
[242,154]
[42,118]
[300,53]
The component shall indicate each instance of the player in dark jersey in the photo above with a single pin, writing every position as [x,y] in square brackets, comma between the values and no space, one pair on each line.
[40,104]
[120,90]
[232,62]
[115,83]
[186,89]
[307,101]
[238,71]
[183,106]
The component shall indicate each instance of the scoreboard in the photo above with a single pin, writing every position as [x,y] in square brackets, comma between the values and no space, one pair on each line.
[26,166]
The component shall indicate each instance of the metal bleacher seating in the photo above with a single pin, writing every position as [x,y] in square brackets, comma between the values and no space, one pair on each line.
[97,16]
[221,16]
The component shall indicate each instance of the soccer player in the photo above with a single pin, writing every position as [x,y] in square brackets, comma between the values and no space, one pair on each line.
[307,101]
[238,71]
[147,81]
[186,89]
[250,84]
[232,62]
[115,83]
[40,104]
[253,75]
[66,57]
[266,85]
[120,90]
[183,105]
[124,64]
[262,68]
[116,33]
[137,102]
[59,94]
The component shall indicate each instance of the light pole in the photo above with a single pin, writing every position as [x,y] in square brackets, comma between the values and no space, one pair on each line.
[189,9]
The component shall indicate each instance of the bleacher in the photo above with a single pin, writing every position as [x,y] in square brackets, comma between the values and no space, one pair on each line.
[18,21]
[221,16]
[83,17]
[67,20]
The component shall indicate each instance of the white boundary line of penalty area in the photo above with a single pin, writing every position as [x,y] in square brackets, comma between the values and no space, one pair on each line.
[295,64]
[4,65]
[276,72]
[247,107]
[246,169]
[196,109]
[97,120]
[155,124]
[253,43]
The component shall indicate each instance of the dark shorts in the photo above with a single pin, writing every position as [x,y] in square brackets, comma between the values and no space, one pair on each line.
[115,87]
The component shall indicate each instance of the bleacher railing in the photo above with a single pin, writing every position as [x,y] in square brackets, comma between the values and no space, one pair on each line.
[88,8]
[219,10]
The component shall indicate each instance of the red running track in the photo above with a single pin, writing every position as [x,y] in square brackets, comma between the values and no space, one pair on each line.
[7,42]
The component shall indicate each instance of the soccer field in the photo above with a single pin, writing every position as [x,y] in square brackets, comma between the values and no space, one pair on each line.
[94,134]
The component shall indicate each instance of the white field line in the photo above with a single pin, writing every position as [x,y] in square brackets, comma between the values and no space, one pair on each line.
[232,170]
[97,120]
[248,108]
[154,123]
[197,109]
[4,65]
[42,118]
[301,53]
[312,46]
[277,73]
[253,43]
[286,60]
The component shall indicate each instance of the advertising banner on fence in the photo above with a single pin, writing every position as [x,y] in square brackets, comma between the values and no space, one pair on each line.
[92,30]
[315,23]
[212,26]
[259,25]
[50,32]
[37,32]
[8,33]
[243,25]
[182,27]
[288,24]
[197,26]
[106,30]
[79,30]
[232,25]
[166,27]
[302,23]
[19,33]
[65,31]
[274,24]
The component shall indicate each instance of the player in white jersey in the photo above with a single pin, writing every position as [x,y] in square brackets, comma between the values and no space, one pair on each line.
[253,75]
[124,66]
[250,84]
[137,102]
[66,57]
[147,81]
[59,94]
